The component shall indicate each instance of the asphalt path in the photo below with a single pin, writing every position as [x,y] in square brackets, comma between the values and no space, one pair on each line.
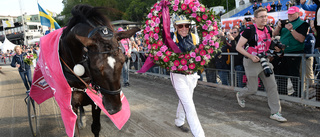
[153,103]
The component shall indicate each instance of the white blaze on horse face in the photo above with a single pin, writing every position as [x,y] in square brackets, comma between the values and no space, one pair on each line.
[111,62]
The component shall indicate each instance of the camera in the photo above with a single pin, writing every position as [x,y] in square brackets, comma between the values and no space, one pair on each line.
[276,43]
[283,23]
[264,63]
[248,19]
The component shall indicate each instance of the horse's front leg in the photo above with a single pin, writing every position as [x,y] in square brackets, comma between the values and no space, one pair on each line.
[96,126]
[76,132]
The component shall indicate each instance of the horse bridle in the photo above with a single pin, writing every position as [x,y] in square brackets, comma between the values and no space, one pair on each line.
[105,32]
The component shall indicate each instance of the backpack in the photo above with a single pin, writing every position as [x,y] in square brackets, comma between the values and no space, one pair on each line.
[253,35]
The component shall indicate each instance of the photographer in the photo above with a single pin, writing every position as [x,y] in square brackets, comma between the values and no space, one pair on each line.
[293,34]
[258,39]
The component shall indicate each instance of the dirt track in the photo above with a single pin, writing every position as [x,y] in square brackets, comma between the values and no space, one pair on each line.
[153,105]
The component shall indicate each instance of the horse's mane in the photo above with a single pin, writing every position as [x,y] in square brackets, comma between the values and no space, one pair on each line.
[83,14]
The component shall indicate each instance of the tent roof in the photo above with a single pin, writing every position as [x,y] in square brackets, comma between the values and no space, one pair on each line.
[7,45]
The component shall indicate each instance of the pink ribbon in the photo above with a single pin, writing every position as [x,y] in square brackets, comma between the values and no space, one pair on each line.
[166,35]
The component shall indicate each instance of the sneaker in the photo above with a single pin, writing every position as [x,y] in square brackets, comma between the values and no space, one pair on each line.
[183,128]
[240,102]
[278,117]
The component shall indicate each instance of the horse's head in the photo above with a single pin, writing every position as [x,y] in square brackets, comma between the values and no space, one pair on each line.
[91,41]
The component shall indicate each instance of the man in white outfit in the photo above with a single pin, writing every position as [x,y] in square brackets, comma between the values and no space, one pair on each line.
[184,84]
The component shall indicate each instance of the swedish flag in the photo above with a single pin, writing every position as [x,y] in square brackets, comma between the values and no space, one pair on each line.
[47,20]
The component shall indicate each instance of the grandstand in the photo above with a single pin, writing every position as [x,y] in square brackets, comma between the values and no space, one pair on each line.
[243,11]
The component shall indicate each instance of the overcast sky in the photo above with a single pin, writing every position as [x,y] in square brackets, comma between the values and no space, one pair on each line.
[12,7]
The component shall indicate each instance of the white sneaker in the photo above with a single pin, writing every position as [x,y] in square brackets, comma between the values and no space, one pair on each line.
[240,102]
[278,117]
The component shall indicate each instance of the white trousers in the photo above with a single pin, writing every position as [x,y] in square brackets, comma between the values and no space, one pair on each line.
[184,86]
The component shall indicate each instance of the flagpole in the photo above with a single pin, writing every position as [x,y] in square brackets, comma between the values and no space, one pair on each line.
[23,25]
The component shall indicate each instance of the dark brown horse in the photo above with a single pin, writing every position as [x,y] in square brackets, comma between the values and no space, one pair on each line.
[89,39]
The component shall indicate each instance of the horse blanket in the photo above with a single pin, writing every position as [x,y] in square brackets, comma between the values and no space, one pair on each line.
[49,81]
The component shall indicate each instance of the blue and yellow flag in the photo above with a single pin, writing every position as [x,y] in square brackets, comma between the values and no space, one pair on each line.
[46,19]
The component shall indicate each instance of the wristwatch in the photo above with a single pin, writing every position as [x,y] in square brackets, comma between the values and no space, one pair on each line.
[291,30]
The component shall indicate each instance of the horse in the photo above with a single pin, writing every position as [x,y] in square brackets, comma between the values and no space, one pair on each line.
[90,40]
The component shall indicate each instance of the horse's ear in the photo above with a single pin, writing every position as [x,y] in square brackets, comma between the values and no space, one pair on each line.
[126,34]
[84,40]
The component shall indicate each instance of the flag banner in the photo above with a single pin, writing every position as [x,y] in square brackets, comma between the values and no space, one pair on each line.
[7,24]
[46,19]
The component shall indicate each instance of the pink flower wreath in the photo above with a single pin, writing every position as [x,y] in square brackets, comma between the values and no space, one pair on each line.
[187,62]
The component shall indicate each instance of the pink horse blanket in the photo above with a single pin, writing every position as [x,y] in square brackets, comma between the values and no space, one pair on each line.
[49,81]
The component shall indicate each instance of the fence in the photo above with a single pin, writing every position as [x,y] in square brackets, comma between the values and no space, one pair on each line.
[290,88]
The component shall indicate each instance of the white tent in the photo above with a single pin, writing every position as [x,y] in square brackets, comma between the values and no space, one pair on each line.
[7,45]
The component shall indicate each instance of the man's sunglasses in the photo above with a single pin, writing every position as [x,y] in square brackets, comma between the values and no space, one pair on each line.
[181,26]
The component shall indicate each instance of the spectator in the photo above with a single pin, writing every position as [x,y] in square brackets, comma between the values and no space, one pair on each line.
[259,39]
[279,6]
[126,49]
[289,4]
[316,27]
[184,84]
[254,7]
[273,7]
[48,31]
[24,68]
[248,13]
[268,7]
[309,44]
[292,36]
[238,59]
[260,6]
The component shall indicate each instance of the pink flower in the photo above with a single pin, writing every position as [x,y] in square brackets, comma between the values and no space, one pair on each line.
[211,42]
[204,17]
[168,53]
[185,67]
[173,68]
[159,53]
[183,62]
[154,46]
[196,50]
[194,9]
[146,36]
[202,9]
[204,33]
[160,43]
[197,4]
[198,58]
[150,15]
[215,32]
[198,18]
[163,48]
[150,55]
[153,18]
[183,6]
[181,56]
[201,46]
[193,54]
[192,66]
[191,4]
[166,59]
[203,62]
[208,37]
[211,33]
[203,52]
[175,8]
[205,42]
[158,20]
[216,45]
[176,2]
[156,58]
[210,50]
[176,63]
[205,27]
[187,1]
[208,22]
[157,29]
[158,8]
[194,15]
[147,28]
[149,46]
[187,56]
[208,56]
[151,33]
[153,24]
[155,36]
